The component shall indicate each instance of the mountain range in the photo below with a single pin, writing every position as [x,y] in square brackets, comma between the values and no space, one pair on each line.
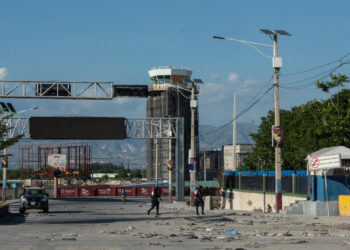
[132,152]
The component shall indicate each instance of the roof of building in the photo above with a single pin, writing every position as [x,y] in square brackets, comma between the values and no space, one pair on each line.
[168,70]
[343,151]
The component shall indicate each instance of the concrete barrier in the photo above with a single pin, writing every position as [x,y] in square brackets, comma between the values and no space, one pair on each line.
[344,205]
[250,201]
[208,203]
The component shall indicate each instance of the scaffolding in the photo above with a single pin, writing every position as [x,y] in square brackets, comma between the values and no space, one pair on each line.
[34,160]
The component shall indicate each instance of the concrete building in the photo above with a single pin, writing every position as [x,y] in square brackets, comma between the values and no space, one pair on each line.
[210,164]
[169,96]
[242,151]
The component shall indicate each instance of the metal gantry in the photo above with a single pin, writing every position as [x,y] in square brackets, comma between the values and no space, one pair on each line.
[90,90]
[144,128]
[17,126]
[136,128]
[151,128]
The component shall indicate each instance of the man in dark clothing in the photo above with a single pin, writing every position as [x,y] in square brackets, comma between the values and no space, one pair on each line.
[198,195]
[155,202]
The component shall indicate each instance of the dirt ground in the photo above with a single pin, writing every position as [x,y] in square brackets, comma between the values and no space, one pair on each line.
[111,224]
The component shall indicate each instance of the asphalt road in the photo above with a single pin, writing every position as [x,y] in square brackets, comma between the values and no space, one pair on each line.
[107,223]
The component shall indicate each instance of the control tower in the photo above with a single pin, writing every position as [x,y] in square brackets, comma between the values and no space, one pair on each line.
[169,96]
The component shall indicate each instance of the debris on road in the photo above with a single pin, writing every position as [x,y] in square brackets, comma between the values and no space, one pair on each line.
[230,232]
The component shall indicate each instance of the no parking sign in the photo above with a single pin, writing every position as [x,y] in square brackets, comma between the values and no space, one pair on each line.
[324,162]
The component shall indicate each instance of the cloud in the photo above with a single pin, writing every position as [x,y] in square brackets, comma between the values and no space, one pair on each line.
[250,83]
[233,77]
[216,99]
[214,76]
[3,73]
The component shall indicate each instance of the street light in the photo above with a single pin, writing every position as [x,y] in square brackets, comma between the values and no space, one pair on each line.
[193,160]
[277,65]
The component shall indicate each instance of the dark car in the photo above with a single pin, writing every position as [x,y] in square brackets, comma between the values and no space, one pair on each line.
[34,198]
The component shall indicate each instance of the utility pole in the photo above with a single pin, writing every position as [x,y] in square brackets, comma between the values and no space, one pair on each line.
[277,65]
[205,165]
[6,107]
[156,142]
[234,134]
[4,168]
[278,169]
[193,150]
[170,165]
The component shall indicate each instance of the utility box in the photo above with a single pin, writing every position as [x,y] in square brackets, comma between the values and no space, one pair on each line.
[277,62]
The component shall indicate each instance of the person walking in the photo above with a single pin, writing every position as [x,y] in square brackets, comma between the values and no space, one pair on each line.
[198,195]
[123,195]
[155,202]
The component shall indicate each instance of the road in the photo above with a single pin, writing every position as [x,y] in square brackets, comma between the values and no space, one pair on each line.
[107,223]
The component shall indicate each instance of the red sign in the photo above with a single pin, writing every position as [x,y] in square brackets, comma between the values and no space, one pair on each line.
[315,163]
[106,191]
[87,191]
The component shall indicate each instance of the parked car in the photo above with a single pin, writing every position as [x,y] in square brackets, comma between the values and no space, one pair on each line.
[34,198]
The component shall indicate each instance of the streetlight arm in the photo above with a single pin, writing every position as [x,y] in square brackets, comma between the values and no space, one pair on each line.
[250,44]
[242,41]
[22,111]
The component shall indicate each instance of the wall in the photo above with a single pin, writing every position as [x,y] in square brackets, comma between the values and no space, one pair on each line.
[337,185]
[253,201]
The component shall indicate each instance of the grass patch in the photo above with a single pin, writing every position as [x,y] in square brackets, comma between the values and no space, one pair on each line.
[3,203]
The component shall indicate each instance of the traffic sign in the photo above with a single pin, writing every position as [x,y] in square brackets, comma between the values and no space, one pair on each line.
[314,163]
[324,162]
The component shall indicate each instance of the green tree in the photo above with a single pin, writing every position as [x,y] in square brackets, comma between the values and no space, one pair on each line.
[13,174]
[122,173]
[105,177]
[144,173]
[136,173]
[307,128]
[4,131]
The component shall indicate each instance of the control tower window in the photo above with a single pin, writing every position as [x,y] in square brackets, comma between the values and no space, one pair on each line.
[167,79]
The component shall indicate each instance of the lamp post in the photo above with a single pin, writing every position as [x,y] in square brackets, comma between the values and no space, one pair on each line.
[193,160]
[8,107]
[276,64]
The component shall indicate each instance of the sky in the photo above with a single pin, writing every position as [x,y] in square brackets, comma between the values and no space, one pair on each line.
[120,41]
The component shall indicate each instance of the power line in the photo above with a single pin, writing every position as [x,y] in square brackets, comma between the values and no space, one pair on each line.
[245,110]
[340,60]
[317,77]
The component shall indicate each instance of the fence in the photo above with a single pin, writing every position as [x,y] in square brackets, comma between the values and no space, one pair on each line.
[290,184]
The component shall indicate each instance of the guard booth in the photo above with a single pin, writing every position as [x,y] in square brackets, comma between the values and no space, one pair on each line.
[338,179]
[329,176]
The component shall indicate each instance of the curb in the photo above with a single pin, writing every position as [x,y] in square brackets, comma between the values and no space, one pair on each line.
[4,210]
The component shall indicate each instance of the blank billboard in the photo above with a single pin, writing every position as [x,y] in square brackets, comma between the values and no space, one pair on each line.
[75,128]
[131,91]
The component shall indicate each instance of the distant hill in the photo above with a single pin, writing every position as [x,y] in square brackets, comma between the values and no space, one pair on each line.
[133,152]
[211,137]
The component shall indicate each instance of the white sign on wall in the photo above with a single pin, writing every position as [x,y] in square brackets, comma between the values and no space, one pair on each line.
[324,162]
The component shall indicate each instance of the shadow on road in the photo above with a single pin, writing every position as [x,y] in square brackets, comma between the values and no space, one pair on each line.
[209,218]
[104,221]
[66,212]
[13,219]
